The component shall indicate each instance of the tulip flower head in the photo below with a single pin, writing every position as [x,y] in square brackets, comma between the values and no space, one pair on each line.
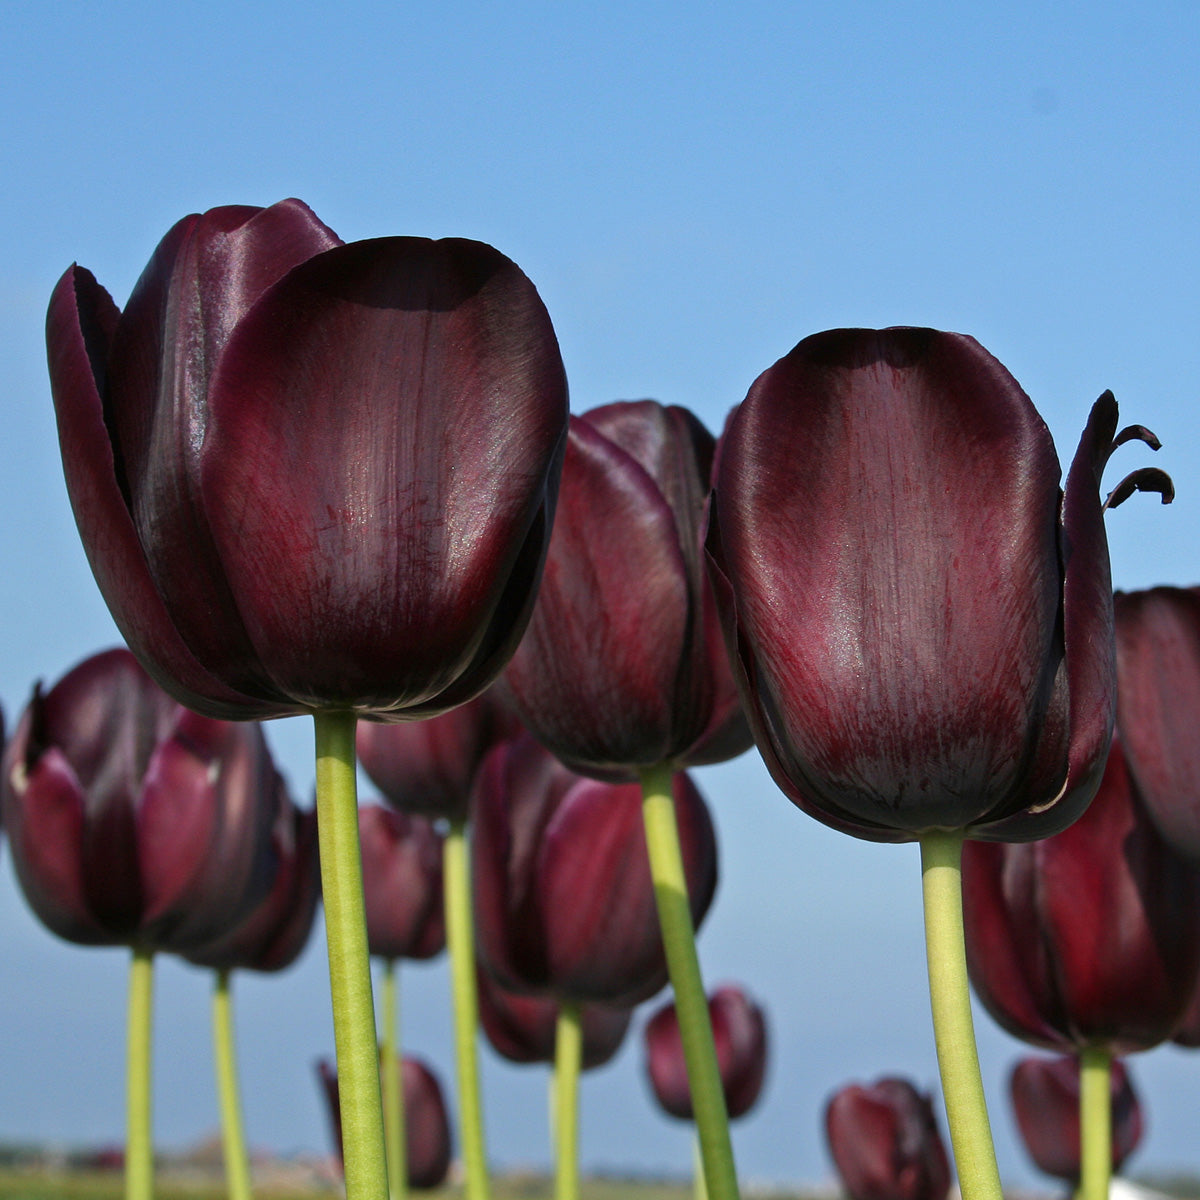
[1045,1100]
[522,1028]
[623,665]
[1158,706]
[131,820]
[427,1127]
[920,621]
[885,1143]
[311,475]
[564,905]
[740,1031]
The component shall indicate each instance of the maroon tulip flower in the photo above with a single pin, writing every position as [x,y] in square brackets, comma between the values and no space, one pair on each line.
[402,883]
[885,1143]
[310,475]
[272,937]
[1090,938]
[1045,1099]
[740,1031]
[523,1029]
[427,767]
[1158,706]
[427,1130]
[131,820]
[550,851]
[921,621]
[623,665]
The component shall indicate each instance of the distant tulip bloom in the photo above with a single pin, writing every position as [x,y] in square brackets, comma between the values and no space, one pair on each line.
[132,821]
[1158,706]
[885,1143]
[428,1128]
[1045,1099]
[311,475]
[427,767]
[550,852]
[523,1028]
[623,665]
[740,1030]
[1090,938]
[402,883]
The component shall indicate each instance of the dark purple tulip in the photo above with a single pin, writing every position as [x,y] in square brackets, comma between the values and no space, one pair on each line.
[1187,1032]
[427,767]
[564,905]
[1158,706]
[740,1032]
[1090,938]
[427,1125]
[402,883]
[921,621]
[885,1143]
[524,1029]
[1045,1099]
[277,930]
[311,475]
[623,664]
[131,820]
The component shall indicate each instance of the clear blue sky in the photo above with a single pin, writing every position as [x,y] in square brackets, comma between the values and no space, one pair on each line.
[693,188]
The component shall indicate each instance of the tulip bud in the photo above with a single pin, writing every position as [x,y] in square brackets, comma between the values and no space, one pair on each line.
[427,1125]
[885,1143]
[740,1032]
[549,851]
[1045,1099]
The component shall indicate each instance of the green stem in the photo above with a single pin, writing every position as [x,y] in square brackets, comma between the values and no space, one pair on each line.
[699,1191]
[953,1027]
[139,1139]
[1095,1124]
[349,965]
[233,1138]
[691,1005]
[393,1087]
[568,1059]
[460,940]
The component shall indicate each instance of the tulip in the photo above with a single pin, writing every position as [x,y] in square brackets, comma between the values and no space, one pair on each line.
[427,1149]
[402,878]
[315,477]
[549,852]
[740,1030]
[1158,706]
[523,1028]
[1087,941]
[269,939]
[134,822]
[920,621]
[622,672]
[885,1143]
[1045,1099]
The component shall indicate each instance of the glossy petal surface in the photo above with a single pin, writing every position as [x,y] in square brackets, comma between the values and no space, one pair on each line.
[885,1143]
[1045,1100]
[740,1034]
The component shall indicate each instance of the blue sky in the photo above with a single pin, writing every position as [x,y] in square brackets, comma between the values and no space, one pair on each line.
[693,189]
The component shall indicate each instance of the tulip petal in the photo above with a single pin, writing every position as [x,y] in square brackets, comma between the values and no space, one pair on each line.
[402,883]
[376,491]
[888,505]
[79,329]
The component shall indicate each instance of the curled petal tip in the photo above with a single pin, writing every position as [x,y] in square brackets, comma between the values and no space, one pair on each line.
[1145,479]
[1137,433]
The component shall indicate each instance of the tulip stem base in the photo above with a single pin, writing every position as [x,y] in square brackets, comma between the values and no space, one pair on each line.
[691,1004]
[460,941]
[1095,1124]
[349,964]
[233,1137]
[953,1026]
[139,1139]
[393,1086]
[568,1060]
